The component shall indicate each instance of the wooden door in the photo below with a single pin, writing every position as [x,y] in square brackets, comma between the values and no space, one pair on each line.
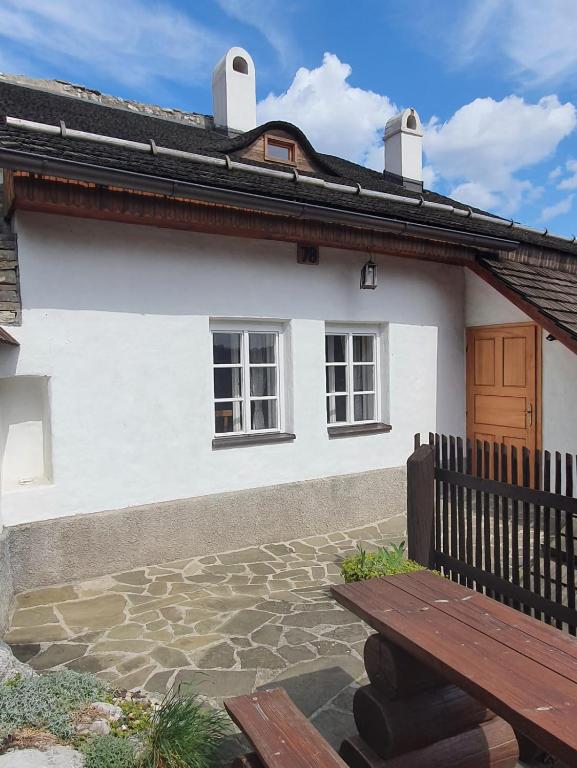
[503,385]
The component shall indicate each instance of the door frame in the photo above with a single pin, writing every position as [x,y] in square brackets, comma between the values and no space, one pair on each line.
[538,406]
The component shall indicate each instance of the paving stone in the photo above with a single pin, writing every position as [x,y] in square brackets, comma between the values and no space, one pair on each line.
[157,624]
[157,589]
[44,634]
[226,570]
[208,560]
[170,657]
[206,578]
[25,652]
[134,679]
[300,546]
[369,532]
[157,570]
[174,613]
[207,626]
[132,577]
[311,684]
[330,648]
[267,635]
[124,646]
[194,642]
[220,656]
[180,629]
[55,655]
[246,621]
[219,604]
[348,634]
[334,726]
[258,590]
[218,684]
[261,569]
[279,549]
[276,586]
[316,607]
[146,618]
[295,653]
[258,580]
[156,604]
[298,573]
[159,636]
[238,579]
[317,618]
[87,637]
[169,578]
[94,663]
[241,642]
[125,631]
[260,658]
[316,541]
[299,636]
[158,683]
[336,537]
[47,596]
[31,617]
[133,663]
[94,613]
[250,555]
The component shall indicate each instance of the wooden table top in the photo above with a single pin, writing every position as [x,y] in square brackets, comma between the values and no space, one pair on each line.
[524,670]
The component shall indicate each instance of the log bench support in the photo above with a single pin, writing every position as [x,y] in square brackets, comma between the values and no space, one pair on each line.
[409,717]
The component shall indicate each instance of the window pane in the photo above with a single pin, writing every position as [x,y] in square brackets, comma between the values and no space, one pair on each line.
[363,349]
[262,382]
[263,414]
[363,378]
[227,382]
[336,378]
[279,151]
[364,407]
[226,348]
[336,349]
[227,417]
[336,408]
[262,347]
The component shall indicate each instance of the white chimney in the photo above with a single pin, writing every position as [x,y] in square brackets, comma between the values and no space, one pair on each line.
[404,150]
[234,91]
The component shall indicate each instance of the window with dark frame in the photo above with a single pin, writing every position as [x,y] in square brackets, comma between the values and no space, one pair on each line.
[279,150]
[246,382]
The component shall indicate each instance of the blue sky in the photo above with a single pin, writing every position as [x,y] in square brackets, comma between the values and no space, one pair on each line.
[494,81]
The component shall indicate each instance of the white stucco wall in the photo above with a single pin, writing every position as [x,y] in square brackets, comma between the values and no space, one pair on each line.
[485,306]
[117,317]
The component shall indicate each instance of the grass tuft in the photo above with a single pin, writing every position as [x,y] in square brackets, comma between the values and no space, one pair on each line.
[385,561]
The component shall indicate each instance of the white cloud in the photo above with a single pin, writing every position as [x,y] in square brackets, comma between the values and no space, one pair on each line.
[132,42]
[269,17]
[536,37]
[486,143]
[557,209]
[570,182]
[336,117]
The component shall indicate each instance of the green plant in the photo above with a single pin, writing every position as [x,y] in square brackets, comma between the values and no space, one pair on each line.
[136,718]
[109,752]
[47,701]
[185,733]
[385,561]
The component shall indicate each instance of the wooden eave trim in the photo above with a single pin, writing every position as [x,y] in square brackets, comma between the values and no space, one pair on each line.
[91,201]
[525,306]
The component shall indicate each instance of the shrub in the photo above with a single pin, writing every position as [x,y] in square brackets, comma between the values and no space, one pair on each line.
[109,752]
[135,719]
[385,561]
[184,734]
[46,701]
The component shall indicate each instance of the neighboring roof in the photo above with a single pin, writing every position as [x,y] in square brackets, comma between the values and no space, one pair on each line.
[552,292]
[108,118]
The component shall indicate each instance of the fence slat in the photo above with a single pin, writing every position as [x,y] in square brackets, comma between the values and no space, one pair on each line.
[469,509]
[558,540]
[478,513]
[505,517]
[537,530]
[445,494]
[547,533]
[526,532]
[487,510]
[460,507]
[496,517]
[569,541]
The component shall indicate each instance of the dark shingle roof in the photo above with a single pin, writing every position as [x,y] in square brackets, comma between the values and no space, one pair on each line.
[552,292]
[47,107]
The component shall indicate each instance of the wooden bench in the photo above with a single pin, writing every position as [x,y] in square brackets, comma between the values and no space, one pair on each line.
[523,670]
[281,735]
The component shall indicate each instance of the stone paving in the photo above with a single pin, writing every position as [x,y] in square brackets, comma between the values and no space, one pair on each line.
[225,624]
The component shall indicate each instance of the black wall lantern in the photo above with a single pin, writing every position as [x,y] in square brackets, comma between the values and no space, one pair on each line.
[369,275]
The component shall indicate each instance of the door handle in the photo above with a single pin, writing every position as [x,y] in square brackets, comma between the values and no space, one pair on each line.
[530,415]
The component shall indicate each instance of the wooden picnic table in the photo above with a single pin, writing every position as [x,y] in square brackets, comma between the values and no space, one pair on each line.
[524,670]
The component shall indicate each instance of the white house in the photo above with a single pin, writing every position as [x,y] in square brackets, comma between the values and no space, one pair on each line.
[187,361]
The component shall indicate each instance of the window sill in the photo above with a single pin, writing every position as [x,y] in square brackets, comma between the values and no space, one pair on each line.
[235,441]
[349,430]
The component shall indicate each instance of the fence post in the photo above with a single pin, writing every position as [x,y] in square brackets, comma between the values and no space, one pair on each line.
[421,506]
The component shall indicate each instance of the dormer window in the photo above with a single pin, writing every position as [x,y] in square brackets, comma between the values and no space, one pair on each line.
[279,150]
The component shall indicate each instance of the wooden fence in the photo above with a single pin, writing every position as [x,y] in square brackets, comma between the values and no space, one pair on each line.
[497,521]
